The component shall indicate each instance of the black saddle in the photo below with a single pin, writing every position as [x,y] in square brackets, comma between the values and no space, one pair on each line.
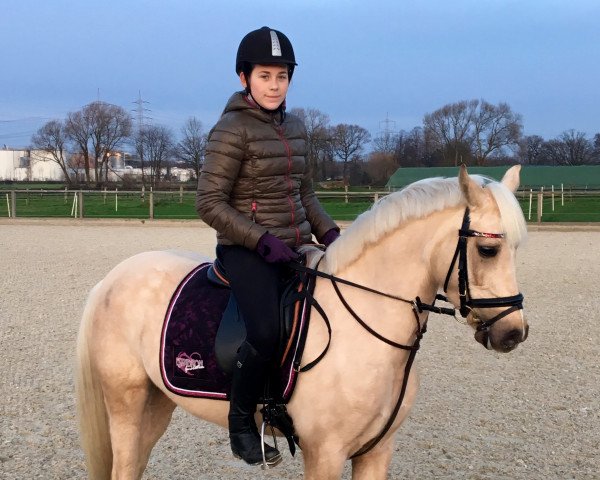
[232,330]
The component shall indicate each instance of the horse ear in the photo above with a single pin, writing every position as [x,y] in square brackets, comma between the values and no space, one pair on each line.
[511,178]
[472,192]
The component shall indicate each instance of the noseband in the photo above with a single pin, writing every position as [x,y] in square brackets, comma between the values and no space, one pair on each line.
[467,302]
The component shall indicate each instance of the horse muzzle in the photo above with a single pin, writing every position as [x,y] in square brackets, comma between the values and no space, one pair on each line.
[503,342]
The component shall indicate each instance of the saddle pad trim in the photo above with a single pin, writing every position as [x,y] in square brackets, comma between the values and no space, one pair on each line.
[291,383]
[168,384]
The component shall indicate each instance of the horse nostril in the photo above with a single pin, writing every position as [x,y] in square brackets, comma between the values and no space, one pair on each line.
[512,338]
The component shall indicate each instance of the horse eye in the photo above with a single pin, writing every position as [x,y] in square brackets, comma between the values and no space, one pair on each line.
[487,251]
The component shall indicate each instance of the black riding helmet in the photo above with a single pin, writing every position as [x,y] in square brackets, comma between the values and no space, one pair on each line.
[264,46]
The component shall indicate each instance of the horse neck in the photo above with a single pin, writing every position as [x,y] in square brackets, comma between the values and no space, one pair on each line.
[404,263]
[410,261]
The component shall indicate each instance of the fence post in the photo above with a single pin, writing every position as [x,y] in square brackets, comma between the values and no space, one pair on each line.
[375,197]
[13,203]
[552,197]
[80,203]
[181,194]
[151,204]
[346,196]
[539,206]
[530,202]
[66,196]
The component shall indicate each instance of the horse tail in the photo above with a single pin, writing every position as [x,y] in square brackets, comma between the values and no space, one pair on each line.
[91,409]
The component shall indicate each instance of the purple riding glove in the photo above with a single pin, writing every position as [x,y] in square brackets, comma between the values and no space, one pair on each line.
[274,250]
[329,237]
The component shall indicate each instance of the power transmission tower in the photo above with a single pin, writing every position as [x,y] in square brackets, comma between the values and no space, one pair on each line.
[387,131]
[140,111]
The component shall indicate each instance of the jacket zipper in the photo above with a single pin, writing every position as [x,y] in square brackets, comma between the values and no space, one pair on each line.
[288,152]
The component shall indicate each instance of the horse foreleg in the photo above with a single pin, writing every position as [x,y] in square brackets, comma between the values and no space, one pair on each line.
[375,464]
[322,464]
[138,415]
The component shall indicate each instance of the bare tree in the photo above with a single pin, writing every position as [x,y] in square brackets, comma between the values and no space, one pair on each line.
[347,143]
[97,130]
[192,147]
[553,153]
[410,149]
[51,138]
[317,137]
[531,150]
[386,142]
[596,155]
[154,144]
[494,127]
[577,149]
[78,129]
[380,167]
[472,129]
[448,128]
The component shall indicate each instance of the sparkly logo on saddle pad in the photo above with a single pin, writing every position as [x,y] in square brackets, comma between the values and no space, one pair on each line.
[189,363]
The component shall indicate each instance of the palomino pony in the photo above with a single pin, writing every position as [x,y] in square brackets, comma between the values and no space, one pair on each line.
[405,246]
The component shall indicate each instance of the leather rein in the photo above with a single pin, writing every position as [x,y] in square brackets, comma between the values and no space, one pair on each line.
[467,303]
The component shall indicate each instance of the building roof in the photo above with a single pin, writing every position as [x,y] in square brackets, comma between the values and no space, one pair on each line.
[581,176]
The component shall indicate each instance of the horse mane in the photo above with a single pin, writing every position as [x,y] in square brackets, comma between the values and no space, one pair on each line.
[418,200]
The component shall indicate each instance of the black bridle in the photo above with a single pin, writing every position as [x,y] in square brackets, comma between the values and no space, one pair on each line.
[467,302]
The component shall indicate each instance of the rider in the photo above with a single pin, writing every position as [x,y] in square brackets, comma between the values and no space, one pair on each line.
[255,190]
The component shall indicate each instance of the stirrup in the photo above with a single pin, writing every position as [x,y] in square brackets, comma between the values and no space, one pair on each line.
[265,465]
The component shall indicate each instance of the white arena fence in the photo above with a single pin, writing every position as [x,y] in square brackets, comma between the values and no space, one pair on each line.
[543,205]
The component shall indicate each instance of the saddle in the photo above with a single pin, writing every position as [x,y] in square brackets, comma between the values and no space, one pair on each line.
[203,330]
[232,330]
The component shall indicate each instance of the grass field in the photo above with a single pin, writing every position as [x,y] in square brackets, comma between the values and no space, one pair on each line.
[169,205]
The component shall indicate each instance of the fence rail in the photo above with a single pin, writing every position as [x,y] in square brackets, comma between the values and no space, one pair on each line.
[544,205]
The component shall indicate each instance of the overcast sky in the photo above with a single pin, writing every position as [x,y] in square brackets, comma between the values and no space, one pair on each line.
[359,61]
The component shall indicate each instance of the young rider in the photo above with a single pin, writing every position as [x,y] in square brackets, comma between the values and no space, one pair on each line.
[256,191]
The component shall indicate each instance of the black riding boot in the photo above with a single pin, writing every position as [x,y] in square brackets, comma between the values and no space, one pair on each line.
[247,384]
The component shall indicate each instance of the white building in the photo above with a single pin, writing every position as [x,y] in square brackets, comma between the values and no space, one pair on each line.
[30,165]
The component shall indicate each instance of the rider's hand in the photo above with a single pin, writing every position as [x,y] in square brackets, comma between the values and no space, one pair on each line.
[329,237]
[274,250]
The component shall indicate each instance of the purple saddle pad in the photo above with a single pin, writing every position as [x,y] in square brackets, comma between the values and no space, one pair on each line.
[187,346]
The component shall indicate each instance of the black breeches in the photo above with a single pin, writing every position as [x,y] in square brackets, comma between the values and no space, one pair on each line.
[256,285]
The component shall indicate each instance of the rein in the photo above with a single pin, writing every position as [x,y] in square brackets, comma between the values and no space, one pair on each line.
[467,303]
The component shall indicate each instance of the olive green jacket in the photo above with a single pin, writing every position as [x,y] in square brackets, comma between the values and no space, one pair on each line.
[255,179]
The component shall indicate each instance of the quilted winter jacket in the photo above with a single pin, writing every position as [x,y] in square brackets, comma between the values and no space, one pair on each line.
[255,179]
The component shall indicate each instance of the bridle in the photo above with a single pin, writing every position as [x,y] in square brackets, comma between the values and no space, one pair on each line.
[467,302]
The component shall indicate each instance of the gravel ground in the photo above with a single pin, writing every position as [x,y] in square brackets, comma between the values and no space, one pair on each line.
[530,414]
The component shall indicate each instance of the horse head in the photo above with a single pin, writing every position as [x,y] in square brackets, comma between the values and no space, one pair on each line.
[485,288]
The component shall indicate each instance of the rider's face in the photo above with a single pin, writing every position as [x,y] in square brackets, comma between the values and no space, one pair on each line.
[269,85]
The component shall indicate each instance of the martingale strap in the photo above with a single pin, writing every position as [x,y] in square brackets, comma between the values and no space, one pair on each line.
[417,307]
